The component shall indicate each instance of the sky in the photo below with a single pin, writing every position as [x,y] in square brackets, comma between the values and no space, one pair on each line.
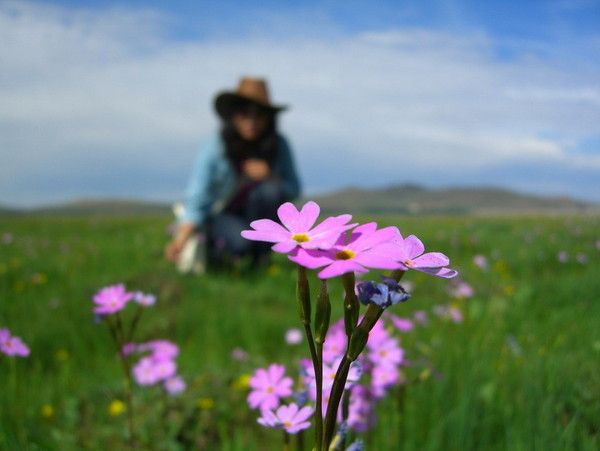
[112,99]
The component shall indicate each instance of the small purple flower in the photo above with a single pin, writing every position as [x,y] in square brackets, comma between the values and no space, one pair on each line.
[402,324]
[239,354]
[481,262]
[174,385]
[461,290]
[268,387]
[293,336]
[412,256]
[383,294]
[149,371]
[144,299]
[7,238]
[11,345]
[598,244]
[581,258]
[111,299]
[289,418]
[420,317]
[563,257]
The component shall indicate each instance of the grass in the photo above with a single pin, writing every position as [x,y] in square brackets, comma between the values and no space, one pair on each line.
[521,372]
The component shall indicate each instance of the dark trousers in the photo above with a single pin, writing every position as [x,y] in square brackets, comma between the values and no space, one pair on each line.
[223,230]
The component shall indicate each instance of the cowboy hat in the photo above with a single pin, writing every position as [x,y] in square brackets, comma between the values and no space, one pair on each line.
[252,90]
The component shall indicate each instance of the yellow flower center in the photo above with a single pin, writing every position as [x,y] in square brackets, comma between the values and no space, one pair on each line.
[270,390]
[287,424]
[408,262]
[345,254]
[300,237]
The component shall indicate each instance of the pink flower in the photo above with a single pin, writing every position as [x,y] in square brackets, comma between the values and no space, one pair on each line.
[335,343]
[563,256]
[480,261]
[387,353]
[360,412]
[174,385]
[239,354]
[298,230]
[293,336]
[366,247]
[162,349]
[144,299]
[149,371]
[11,345]
[382,378]
[268,386]
[111,299]
[289,418]
[402,324]
[420,317]
[461,290]
[412,257]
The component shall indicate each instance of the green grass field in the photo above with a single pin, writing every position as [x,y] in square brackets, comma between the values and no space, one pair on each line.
[522,372]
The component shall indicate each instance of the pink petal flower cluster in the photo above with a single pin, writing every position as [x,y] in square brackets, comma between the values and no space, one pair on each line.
[157,366]
[327,245]
[290,418]
[268,386]
[111,299]
[11,345]
[114,298]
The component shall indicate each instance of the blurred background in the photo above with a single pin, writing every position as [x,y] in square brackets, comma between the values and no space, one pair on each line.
[111,99]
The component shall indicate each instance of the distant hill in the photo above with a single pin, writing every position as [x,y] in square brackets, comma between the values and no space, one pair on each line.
[414,199]
[102,207]
[398,199]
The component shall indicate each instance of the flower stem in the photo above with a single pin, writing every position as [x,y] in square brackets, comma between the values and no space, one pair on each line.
[303,295]
[334,400]
[351,304]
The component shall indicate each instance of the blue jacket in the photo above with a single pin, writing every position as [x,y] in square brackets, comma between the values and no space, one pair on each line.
[213,180]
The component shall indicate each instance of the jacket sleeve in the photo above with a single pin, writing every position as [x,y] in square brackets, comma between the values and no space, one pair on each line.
[287,171]
[198,198]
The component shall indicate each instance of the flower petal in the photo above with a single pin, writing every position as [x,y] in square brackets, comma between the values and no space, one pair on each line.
[289,217]
[308,215]
[413,246]
[340,267]
[431,260]
[284,247]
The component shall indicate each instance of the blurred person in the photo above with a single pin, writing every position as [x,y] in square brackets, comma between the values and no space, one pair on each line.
[242,173]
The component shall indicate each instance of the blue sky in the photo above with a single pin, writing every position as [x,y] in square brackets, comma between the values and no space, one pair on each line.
[106,98]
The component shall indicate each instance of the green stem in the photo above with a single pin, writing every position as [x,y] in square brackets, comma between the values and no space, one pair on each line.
[303,295]
[286,441]
[334,400]
[351,304]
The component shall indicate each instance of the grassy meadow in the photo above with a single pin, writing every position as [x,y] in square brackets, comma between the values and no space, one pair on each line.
[521,372]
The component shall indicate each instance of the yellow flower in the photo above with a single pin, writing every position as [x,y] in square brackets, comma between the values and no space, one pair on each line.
[116,408]
[242,382]
[62,355]
[205,403]
[47,411]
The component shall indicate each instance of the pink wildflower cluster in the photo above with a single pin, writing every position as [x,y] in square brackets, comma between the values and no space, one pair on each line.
[328,246]
[114,298]
[268,388]
[369,379]
[157,366]
[11,345]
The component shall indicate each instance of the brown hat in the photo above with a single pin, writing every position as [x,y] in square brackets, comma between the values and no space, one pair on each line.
[249,89]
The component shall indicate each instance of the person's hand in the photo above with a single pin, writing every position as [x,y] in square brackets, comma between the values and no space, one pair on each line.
[256,169]
[173,249]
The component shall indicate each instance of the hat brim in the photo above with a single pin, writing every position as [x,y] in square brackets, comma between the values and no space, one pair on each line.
[226,100]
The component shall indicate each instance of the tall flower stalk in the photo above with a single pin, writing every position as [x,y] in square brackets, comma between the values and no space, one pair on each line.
[109,303]
[337,252]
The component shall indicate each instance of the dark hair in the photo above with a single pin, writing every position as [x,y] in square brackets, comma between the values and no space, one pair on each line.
[238,149]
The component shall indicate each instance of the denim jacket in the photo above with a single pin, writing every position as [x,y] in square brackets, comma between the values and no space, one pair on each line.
[214,180]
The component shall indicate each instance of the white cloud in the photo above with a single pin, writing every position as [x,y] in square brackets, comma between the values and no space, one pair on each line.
[102,103]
